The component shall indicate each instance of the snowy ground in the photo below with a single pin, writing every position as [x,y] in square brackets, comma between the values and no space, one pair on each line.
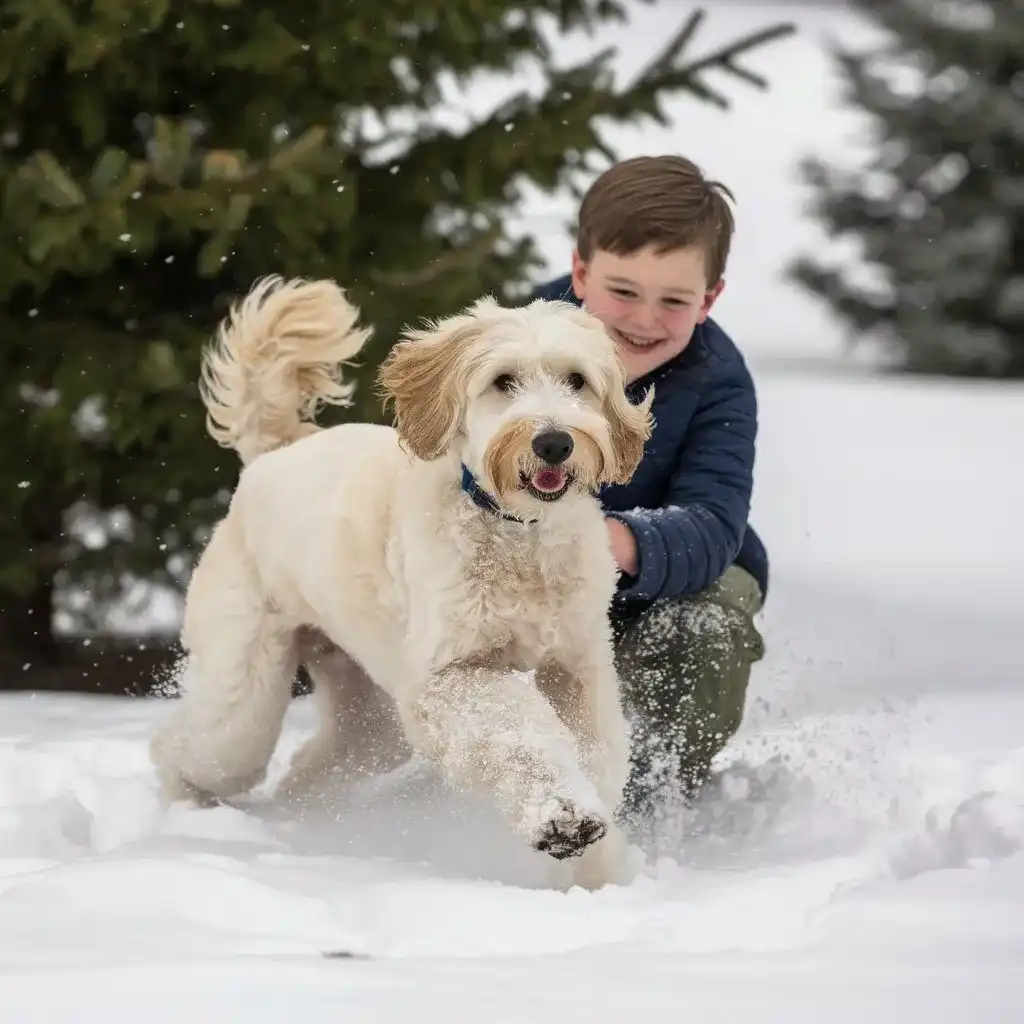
[862,857]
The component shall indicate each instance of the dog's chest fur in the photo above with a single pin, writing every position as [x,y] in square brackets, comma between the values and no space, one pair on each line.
[528,587]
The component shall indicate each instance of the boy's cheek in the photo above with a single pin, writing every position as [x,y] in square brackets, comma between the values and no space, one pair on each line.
[598,306]
[607,308]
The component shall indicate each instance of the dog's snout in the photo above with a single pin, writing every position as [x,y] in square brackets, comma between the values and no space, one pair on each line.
[553,446]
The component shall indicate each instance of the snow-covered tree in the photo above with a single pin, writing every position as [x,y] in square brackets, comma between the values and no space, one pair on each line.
[157,157]
[938,212]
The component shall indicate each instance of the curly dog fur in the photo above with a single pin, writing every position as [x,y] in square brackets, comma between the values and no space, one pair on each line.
[465,622]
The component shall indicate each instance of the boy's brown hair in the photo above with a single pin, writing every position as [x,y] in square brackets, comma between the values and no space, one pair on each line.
[662,201]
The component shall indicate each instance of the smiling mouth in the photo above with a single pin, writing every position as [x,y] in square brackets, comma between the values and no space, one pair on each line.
[548,483]
[635,343]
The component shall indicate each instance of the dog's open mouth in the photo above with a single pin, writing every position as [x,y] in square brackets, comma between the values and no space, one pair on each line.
[548,483]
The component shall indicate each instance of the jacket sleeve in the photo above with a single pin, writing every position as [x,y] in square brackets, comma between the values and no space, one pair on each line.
[688,543]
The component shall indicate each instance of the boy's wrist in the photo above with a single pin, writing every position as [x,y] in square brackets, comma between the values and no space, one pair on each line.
[623,544]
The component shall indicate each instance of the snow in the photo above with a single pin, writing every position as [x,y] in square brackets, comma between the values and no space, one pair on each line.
[860,856]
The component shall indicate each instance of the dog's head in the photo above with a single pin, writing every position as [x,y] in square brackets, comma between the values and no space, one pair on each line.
[531,399]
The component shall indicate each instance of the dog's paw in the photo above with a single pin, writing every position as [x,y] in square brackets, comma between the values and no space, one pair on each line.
[569,831]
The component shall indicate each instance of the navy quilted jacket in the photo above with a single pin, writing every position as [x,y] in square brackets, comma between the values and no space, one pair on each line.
[688,502]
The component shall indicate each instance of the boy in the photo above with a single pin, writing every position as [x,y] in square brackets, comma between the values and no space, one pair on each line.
[652,244]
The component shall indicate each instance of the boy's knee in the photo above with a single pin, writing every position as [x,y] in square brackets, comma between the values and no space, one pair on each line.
[690,658]
[731,604]
[719,633]
[707,626]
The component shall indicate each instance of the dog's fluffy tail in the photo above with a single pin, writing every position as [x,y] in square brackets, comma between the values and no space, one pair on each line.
[276,359]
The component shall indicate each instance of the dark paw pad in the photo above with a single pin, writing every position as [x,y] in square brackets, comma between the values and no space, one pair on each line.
[569,833]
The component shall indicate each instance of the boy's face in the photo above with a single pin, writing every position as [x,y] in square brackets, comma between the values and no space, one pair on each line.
[648,302]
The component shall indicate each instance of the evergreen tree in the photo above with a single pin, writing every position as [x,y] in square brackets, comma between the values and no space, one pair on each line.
[939,211]
[156,158]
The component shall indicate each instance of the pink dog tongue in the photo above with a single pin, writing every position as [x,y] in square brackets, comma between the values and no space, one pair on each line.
[548,479]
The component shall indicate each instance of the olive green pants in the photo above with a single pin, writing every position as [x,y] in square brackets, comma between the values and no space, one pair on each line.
[685,664]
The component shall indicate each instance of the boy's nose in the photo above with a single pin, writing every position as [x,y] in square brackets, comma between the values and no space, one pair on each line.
[645,318]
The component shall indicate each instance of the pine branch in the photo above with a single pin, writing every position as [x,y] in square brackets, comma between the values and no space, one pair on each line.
[550,140]
[944,234]
[662,74]
[920,28]
[455,259]
[386,147]
[677,45]
[862,313]
[414,212]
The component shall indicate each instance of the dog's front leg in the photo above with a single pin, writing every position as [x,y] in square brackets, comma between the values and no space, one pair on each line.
[482,724]
[584,689]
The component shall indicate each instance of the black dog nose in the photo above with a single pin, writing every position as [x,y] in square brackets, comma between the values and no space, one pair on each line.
[553,446]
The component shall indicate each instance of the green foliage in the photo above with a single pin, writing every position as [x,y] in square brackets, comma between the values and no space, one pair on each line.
[156,158]
[938,211]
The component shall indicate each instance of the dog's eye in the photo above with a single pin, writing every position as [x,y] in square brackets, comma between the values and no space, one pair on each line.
[575,382]
[505,382]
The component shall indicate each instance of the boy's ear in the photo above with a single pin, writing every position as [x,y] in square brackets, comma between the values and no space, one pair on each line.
[579,275]
[710,298]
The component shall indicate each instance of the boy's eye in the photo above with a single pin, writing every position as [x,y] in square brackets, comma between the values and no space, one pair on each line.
[623,293]
[575,381]
[505,382]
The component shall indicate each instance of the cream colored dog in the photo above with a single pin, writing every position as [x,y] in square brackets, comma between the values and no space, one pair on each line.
[456,568]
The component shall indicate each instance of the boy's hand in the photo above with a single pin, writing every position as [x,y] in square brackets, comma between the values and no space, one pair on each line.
[623,546]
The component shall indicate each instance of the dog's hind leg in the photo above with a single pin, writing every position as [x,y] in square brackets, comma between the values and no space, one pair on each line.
[219,736]
[358,733]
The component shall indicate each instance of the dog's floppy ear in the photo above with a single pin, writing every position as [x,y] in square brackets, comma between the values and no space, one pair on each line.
[424,376]
[629,427]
